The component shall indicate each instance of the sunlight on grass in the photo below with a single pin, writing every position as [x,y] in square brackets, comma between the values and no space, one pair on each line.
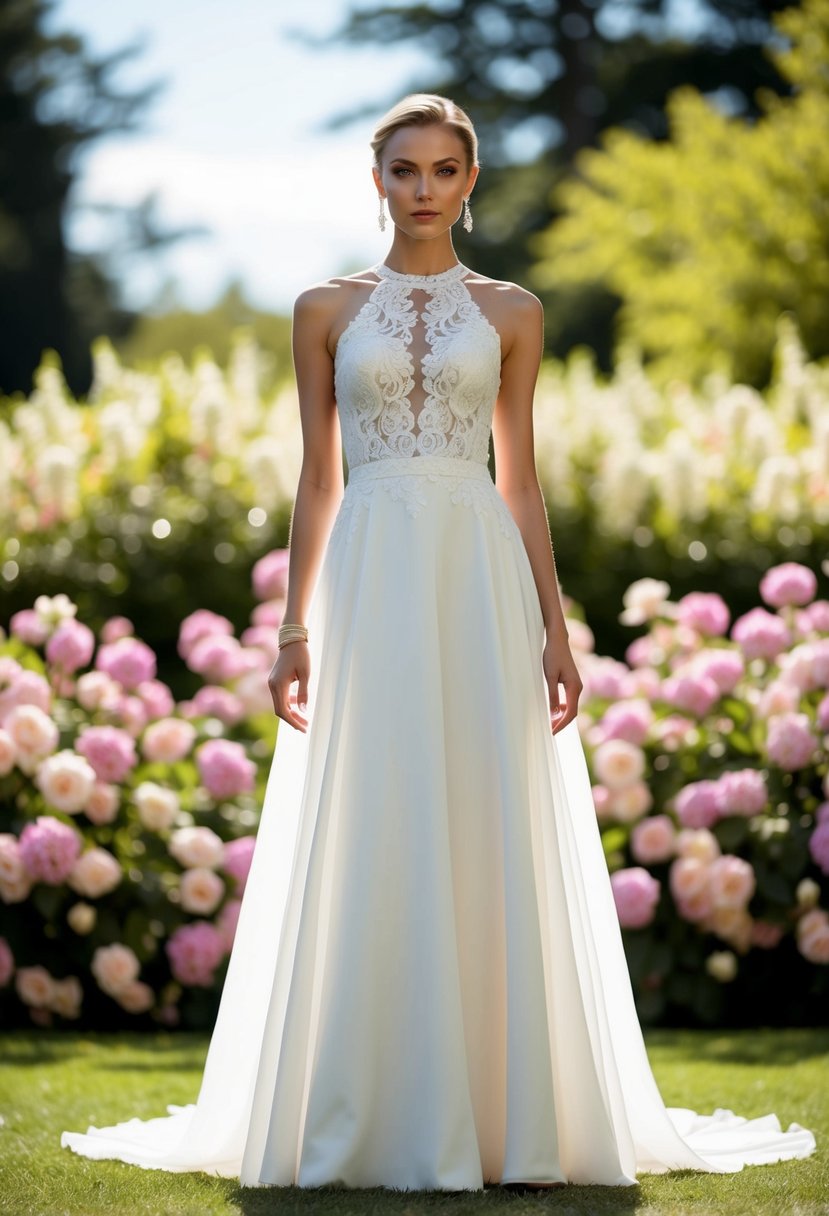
[51,1082]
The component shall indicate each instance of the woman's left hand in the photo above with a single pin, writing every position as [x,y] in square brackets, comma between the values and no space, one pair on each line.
[560,668]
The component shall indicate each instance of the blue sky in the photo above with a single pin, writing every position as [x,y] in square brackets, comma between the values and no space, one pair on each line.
[233,142]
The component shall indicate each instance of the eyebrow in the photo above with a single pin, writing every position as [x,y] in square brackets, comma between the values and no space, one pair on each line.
[402,160]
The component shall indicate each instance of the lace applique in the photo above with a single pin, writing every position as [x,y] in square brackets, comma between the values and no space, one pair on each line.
[390,407]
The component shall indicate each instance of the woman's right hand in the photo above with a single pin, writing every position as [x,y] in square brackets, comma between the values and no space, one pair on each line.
[292,666]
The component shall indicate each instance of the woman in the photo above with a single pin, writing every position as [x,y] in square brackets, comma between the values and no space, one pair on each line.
[428,988]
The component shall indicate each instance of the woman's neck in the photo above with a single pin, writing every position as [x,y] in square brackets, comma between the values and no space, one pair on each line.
[409,256]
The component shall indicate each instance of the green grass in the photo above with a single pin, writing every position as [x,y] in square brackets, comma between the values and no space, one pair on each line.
[52,1081]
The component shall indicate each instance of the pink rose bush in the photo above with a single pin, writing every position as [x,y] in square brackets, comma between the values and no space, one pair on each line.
[709,752]
[127,818]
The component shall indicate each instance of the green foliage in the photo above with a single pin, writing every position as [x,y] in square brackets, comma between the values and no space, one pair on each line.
[708,237]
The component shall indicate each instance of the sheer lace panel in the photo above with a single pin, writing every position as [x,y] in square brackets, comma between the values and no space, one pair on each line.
[417,370]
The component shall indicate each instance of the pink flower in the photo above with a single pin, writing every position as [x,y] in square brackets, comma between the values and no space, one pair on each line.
[602,801]
[66,781]
[618,763]
[706,612]
[643,652]
[813,936]
[29,626]
[214,701]
[628,720]
[631,802]
[697,842]
[731,881]
[95,689]
[819,845]
[272,612]
[224,768]
[673,732]
[653,840]
[725,667]
[135,997]
[157,806]
[102,804]
[789,742]
[95,873]
[117,627]
[227,921]
[266,639]
[157,699]
[109,750]
[35,987]
[816,616]
[822,812]
[15,881]
[766,935]
[688,878]
[604,678]
[778,697]
[760,635]
[697,804]
[200,624]
[789,583]
[114,967]
[636,893]
[200,891]
[238,855]
[6,963]
[822,716]
[8,752]
[71,646]
[270,575]
[196,847]
[693,694]
[194,951]
[168,740]
[742,792]
[127,660]
[34,733]
[218,658]
[49,849]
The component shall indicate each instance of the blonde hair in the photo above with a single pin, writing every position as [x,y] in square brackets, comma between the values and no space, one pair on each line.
[421,110]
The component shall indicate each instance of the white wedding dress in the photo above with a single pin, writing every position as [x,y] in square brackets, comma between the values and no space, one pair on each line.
[428,988]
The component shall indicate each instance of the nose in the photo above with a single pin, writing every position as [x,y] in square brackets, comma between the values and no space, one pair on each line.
[423,189]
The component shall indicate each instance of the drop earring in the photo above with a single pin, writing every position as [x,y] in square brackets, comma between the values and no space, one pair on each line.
[467,215]
[381,219]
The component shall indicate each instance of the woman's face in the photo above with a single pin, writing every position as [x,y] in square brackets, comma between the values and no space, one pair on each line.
[424,177]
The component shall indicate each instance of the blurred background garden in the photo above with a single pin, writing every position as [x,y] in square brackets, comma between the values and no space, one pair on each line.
[656,171]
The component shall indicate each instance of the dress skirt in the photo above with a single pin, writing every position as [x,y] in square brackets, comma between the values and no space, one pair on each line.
[428,988]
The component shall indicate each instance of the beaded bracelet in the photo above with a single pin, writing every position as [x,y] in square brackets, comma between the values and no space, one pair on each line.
[292,633]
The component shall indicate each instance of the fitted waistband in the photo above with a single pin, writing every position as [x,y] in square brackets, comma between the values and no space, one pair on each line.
[420,466]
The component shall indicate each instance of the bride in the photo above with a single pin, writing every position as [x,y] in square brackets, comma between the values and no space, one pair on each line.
[428,988]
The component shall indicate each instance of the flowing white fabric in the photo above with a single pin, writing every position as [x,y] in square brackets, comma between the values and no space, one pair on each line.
[428,988]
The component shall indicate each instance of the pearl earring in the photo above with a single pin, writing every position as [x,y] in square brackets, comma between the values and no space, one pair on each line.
[381,219]
[467,215]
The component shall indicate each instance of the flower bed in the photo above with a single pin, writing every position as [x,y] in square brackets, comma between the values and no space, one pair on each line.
[128,819]
[710,755]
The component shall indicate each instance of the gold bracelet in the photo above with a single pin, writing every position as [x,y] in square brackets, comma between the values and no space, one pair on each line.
[291,633]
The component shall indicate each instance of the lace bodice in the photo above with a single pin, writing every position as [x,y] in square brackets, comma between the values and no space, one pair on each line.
[417,370]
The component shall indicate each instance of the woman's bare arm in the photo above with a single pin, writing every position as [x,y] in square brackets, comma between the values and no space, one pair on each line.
[319,490]
[517,481]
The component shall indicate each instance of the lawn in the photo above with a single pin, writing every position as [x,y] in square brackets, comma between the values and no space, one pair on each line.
[52,1081]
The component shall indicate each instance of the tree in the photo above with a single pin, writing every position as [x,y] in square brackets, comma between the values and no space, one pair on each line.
[55,100]
[708,237]
[542,79]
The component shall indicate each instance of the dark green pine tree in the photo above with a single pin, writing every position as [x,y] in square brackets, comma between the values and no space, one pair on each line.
[55,100]
[542,79]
